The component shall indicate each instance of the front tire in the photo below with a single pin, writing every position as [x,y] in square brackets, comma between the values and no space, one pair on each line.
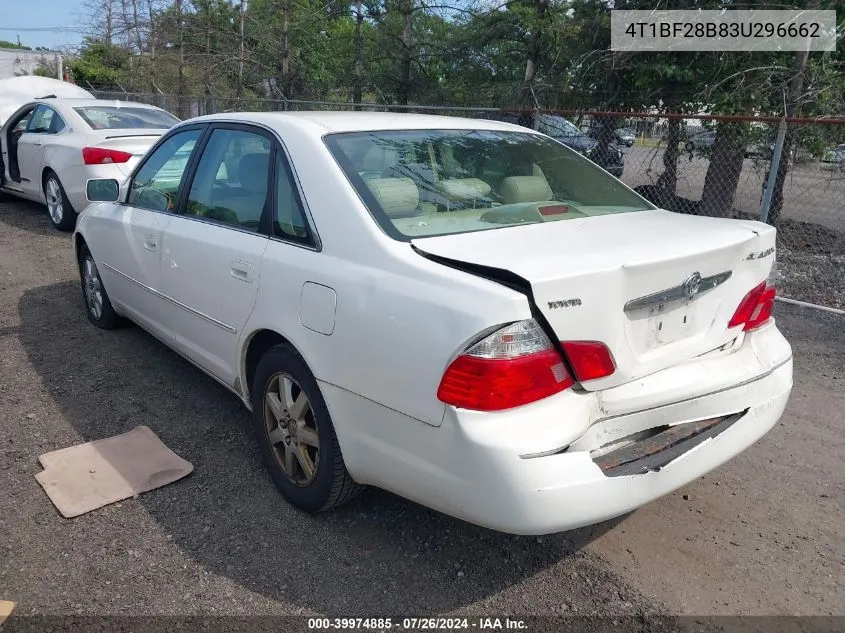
[59,208]
[97,304]
[296,435]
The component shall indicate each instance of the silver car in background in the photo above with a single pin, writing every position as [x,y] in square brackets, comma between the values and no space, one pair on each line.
[50,148]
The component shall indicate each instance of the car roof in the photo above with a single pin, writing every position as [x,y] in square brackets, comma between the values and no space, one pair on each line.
[77,103]
[329,121]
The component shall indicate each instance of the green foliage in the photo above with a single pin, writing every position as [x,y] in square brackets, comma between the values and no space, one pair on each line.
[14,45]
[100,64]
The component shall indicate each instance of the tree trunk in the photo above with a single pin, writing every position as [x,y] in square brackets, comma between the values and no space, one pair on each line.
[285,79]
[240,88]
[722,177]
[358,87]
[152,45]
[181,91]
[793,87]
[532,53]
[405,87]
[109,22]
[669,178]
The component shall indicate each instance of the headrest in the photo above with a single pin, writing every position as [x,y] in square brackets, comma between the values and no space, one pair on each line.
[378,158]
[463,188]
[525,189]
[252,172]
[399,197]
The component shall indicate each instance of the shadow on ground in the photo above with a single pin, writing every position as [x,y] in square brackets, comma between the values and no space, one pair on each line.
[378,554]
[28,216]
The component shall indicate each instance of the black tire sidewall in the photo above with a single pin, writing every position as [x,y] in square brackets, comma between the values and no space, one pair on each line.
[283,358]
[68,213]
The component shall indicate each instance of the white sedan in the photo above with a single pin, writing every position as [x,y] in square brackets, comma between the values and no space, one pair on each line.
[464,312]
[51,147]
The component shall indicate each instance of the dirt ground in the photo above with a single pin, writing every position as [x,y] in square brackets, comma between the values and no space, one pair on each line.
[761,535]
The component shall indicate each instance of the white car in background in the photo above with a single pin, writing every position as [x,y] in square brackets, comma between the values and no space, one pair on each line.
[464,312]
[51,147]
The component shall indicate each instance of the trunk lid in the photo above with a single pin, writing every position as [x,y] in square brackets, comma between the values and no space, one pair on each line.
[620,279]
[134,141]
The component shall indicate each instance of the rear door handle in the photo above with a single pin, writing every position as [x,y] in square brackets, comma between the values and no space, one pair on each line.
[151,242]
[37,143]
[241,270]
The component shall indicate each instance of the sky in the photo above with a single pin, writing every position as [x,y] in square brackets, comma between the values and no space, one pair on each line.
[16,15]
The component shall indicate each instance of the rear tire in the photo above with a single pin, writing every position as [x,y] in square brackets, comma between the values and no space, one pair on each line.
[59,208]
[296,435]
[97,304]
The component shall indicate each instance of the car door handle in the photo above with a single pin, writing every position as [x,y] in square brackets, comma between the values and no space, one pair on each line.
[241,270]
[37,143]
[151,242]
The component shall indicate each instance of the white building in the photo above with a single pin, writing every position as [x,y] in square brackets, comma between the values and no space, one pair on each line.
[16,62]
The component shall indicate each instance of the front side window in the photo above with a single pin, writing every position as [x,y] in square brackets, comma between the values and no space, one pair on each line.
[230,185]
[126,118]
[156,186]
[42,121]
[23,123]
[419,183]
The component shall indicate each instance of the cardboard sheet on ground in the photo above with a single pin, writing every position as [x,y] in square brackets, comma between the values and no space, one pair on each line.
[91,475]
[6,608]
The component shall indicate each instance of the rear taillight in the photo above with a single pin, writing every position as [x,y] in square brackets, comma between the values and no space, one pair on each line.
[755,309]
[514,366]
[103,156]
[589,359]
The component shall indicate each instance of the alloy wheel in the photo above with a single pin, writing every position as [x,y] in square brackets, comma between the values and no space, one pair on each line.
[53,194]
[291,428]
[93,288]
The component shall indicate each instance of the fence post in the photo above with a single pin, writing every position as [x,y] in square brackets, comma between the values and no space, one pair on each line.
[774,167]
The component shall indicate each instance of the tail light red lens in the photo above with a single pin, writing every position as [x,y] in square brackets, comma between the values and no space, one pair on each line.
[763,312]
[514,366]
[589,359]
[755,309]
[103,156]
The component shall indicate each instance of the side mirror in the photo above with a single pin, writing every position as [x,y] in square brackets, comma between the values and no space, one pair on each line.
[102,190]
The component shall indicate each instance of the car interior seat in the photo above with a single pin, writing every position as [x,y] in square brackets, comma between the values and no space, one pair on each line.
[398,197]
[515,189]
[246,204]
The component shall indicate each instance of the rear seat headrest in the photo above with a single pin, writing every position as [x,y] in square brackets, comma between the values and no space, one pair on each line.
[463,188]
[525,189]
[399,197]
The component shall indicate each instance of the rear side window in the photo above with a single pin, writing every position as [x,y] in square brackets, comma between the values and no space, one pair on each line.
[156,186]
[126,118]
[290,218]
[231,181]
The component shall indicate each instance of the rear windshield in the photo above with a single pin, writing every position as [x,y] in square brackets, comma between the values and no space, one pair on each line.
[419,183]
[120,118]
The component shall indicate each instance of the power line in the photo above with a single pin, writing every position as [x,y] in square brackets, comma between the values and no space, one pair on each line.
[44,29]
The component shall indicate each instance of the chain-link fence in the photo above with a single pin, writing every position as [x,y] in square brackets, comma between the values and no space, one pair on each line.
[701,165]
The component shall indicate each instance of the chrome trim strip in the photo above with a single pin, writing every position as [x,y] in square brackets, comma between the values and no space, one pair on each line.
[678,293]
[668,404]
[161,295]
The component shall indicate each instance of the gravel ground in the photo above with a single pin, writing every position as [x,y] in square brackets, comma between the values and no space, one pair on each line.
[761,535]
